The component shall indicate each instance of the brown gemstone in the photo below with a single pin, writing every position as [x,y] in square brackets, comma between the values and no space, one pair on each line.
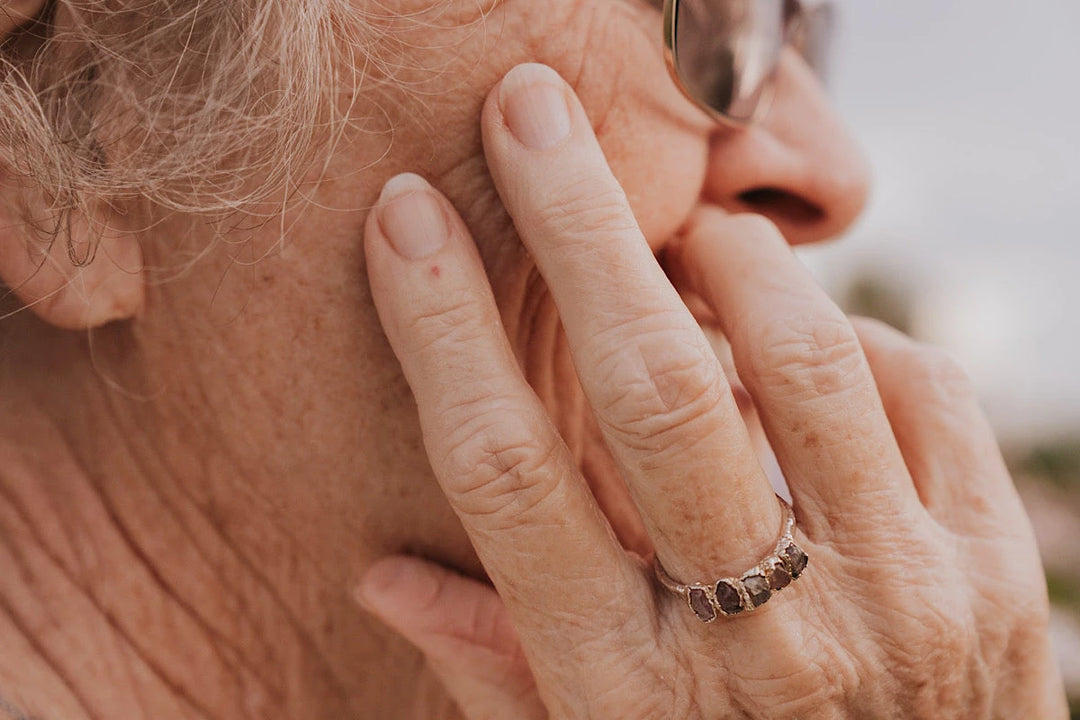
[797,560]
[699,603]
[727,595]
[780,578]
[757,587]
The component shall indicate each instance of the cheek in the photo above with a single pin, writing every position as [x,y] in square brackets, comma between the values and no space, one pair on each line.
[611,52]
[654,140]
[662,173]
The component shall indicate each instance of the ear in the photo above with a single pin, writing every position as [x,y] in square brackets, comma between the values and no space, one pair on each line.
[88,274]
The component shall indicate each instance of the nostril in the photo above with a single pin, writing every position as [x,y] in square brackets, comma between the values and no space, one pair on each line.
[781,206]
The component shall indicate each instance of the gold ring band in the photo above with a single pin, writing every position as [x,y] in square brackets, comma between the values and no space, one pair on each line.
[735,595]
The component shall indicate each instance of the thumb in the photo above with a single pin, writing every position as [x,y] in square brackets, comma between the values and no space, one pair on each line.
[464,631]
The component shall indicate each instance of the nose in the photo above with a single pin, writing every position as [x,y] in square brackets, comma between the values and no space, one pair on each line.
[798,166]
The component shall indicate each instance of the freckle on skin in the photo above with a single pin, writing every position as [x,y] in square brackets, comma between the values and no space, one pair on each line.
[812,440]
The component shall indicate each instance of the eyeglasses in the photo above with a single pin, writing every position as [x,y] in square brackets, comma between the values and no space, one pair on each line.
[724,54]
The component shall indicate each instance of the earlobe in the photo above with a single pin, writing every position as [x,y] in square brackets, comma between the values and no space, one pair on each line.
[64,291]
[101,281]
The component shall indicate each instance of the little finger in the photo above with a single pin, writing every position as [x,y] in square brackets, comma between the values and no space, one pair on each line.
[946,440]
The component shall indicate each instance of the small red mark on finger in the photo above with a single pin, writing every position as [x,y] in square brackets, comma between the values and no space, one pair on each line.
[436,271]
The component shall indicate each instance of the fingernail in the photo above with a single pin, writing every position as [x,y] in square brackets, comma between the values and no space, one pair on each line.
[360,595]
[378,584]
[533,101]
[395,585]
[411,217]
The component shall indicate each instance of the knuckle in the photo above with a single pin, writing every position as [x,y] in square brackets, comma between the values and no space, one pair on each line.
[925,628]
[815,672]
[941,376]
[662,387]
[497,468]
[1012,603]
[933,662]
[460,320]
[585,206]
[809,358]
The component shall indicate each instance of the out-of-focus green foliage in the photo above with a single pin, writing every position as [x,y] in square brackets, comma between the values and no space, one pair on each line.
[874,296]
[1064,590]
[1058,462]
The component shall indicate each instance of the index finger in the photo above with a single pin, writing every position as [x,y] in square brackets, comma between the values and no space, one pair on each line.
[495,452]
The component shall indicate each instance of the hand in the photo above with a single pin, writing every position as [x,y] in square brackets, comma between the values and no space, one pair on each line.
[924,595]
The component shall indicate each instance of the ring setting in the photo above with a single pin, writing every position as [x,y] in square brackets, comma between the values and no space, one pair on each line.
[731,596]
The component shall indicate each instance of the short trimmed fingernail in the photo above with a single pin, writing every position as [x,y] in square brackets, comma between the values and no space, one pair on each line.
[385,583]
[411,217]
[533,101]
[372,590]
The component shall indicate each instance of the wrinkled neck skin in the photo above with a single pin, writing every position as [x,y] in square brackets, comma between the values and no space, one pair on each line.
[165,551]
[188,498]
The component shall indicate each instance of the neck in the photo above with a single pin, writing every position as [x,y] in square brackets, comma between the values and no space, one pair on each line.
[152,569]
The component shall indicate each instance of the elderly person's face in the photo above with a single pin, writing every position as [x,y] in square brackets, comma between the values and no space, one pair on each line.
[259,366]
[303,353]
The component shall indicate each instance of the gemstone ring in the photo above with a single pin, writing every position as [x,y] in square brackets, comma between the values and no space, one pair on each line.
[749,591]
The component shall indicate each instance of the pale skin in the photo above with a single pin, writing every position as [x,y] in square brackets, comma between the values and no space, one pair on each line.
[899,490]
[189,507]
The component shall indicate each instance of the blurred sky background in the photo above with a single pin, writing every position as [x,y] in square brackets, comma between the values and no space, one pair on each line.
[969,112]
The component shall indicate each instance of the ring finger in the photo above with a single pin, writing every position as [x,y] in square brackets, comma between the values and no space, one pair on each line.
[801,360]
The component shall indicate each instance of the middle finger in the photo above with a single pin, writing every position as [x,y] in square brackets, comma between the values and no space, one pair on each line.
[659,394]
